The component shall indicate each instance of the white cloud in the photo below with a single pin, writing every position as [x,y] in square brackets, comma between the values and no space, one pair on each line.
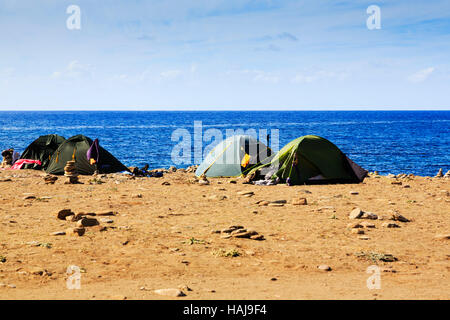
[256,75]
[310,77]
[421,75]
[170,74]
[74,70]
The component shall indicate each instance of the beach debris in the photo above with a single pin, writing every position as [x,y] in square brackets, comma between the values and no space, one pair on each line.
[439,174]
[70,171]
[203,181]
[49,179]
[324,267]
[64,213]
[170,292]
[299,202]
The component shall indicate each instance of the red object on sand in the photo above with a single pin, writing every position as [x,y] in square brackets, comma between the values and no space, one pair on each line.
[19,163]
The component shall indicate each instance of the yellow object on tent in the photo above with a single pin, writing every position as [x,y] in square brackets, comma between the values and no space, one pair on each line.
[245,160]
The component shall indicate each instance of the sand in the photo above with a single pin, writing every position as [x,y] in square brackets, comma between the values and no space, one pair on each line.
[162,236]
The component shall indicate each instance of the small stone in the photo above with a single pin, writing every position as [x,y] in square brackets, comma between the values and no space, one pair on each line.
[279,201]
[324,267]
[363,238]
[62,214]
[354,193]
[366,224]
[106,213]
[165,183]
[356,213]
[170,292]
[58,233]
[396,183]
[357,231]
[271,204]
[299,202]
[98,228]
[75,231]
[87,222]
[232,181]
[369,215]
[398,217]
[390,225]
[354,225]
[203,182]
[442,236]
[246,234]
[257,237]
[106,220]
[245,193]
[263,203]
[29,197]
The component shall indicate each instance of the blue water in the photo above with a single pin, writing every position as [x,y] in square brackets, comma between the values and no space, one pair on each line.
[388,141]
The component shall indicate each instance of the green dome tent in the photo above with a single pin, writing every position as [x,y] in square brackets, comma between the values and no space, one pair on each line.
[41,149]
[233,157]
[312,159]
[75,148]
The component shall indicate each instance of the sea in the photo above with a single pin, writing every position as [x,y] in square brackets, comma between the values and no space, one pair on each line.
[393,142]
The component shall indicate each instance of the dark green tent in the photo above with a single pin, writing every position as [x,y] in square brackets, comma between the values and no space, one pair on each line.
[41,149]
[310,160]
[75,148]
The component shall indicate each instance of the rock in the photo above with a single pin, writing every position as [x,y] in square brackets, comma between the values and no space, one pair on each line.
[62,214]
[246,193]
[447,174]
[203,182]
[231,229]
[354,193]
[170,292]
[396,183]
[232,181]
[165,183]
[275,204]
[369,215]
[258,237]
[357,231]
[29,197]
[246,234]
[355,214]
[442,236]
[398,217]
[263,203]
[87,222]
[439,174]
[363,238]
[354,225]
[390,225]
[172,169]
[58,233]
[106,220]
[299,202]
[324,267]
[98,228]
[106,213]
[78,231]
[366,224]
[279,201]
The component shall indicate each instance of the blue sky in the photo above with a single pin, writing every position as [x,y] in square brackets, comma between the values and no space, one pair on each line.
[224,54]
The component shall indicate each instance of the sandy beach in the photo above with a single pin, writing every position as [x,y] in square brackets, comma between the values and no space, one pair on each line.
[170,233]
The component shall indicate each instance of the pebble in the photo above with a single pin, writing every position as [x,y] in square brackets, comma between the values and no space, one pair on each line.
[442,236]
[75,231]
[271,204]
[363,238]
[299,201]
[87,222]
[398,217]
[390,225]
[203,182]
[354,225]
[263,203]
[357,231]
[170,292]
[62,214]
[324,267]
[106,220]
[58,233]
[369,215]
[354,193]
[367,224]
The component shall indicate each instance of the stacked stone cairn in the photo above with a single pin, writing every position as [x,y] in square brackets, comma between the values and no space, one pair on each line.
[71,172]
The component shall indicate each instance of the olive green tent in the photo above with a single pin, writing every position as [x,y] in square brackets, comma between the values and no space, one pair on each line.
[233,157]
[75,148]
[41,149]
[312,159]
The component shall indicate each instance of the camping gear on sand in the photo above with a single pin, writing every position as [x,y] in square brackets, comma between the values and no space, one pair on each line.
[22,162]
[41,149]
[233,157]
[312,160]
[75,149]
